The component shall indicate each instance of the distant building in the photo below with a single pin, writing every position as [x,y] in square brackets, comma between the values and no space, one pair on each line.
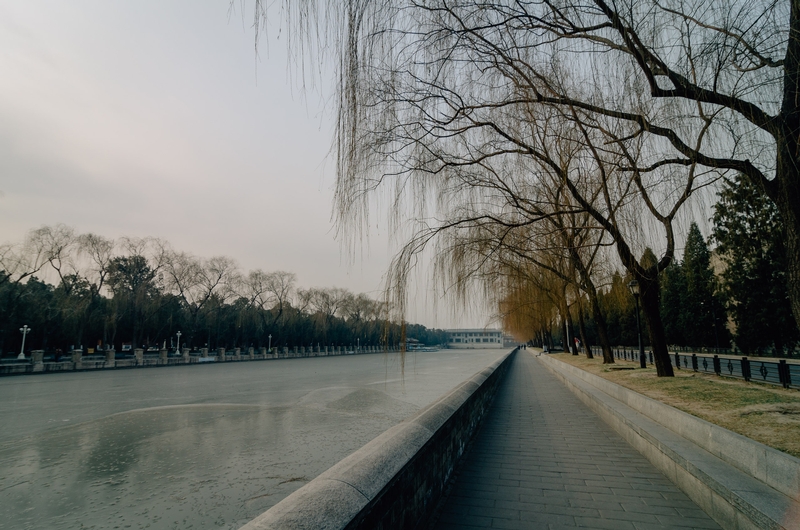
[474,338]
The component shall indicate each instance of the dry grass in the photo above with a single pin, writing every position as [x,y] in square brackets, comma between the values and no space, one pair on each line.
[765,413]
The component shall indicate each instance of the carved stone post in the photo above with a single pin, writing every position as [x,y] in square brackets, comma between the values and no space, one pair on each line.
[111,360]
[37,358]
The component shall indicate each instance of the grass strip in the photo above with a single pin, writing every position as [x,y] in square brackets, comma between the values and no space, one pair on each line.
[765,413]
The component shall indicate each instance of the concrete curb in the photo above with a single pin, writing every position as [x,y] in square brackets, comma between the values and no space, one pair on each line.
[740,483]
[395,480]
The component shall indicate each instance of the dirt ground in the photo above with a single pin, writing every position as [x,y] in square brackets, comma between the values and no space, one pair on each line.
[766,413]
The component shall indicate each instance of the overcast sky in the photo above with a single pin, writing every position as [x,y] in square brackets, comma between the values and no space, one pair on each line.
[156,118]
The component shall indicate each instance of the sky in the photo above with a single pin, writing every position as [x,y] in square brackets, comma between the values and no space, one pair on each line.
[153,118]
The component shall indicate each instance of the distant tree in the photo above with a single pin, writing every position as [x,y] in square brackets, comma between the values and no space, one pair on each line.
[132,281]
[750,235]
[59,244]
[203,285]
[19,261]
[673,289]
[140,290]
[73,297]
[699,304]
[618,305]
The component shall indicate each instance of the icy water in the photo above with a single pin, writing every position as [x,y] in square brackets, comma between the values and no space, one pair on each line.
[199,446]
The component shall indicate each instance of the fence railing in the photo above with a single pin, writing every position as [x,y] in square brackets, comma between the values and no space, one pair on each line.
[772,371]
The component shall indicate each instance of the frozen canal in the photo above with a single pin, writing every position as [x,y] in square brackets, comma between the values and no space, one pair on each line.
[198,446]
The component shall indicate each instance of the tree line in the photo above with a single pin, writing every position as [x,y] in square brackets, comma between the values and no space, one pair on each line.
[536,148]
[141,292]
[741,304]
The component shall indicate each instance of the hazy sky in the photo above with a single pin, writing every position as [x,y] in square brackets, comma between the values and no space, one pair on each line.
[156,118]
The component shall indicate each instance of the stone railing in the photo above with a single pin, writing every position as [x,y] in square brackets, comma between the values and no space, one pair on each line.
[109,359]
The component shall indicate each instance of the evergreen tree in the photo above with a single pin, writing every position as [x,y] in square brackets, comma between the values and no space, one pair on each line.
[750,236]
[618,305]
[699,310]
[673,290]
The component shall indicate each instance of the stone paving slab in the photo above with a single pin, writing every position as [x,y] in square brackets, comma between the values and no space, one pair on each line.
[543,460]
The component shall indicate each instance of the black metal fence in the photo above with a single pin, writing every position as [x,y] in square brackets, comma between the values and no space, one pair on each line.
[773,371]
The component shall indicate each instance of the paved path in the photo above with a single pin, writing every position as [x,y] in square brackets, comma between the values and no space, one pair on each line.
[543,460]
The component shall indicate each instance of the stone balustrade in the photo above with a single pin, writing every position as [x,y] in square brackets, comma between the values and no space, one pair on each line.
[76,361]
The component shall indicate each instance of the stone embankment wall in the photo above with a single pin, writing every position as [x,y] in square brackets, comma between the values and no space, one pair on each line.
[109,359]
[396,480]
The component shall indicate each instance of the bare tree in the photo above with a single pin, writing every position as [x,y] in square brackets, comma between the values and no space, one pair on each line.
[198,281]
[668,97]
[526,306]
[566,243]
[59,244]
[358,308]
[99,251]
[19,261]
[269,292]
[328,301]
[280,286]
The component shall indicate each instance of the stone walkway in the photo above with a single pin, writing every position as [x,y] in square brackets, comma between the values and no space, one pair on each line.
[543,460]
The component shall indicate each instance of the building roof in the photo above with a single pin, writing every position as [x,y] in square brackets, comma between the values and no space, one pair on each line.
[474,330]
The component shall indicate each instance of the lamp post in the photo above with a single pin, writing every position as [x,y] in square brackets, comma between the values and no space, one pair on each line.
[269,348]
[714,317]
[24,330]
[634,287]
[358,343]
[179,341]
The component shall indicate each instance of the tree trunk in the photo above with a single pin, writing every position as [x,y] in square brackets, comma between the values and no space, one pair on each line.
[652,316]
[572,345]
[602,327]
[587,286]
[582,327]
[602,332]
[793,259]
[785,189]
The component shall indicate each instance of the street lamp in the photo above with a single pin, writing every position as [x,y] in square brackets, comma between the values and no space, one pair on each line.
[358,343]
[634,287]
[24,330]
[714,317]
[179,341]
[269,348]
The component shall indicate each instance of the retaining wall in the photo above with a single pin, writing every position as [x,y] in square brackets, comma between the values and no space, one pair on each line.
[394,481]
[82,364]
[739,482]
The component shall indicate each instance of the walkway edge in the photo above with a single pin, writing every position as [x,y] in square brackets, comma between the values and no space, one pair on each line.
[688,451]
[395,480]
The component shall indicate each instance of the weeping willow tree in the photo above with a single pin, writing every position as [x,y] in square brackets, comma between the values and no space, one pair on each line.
[445,110]
[526,309]
[511,249]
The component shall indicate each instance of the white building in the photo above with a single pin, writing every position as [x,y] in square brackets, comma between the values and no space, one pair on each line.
[474,338]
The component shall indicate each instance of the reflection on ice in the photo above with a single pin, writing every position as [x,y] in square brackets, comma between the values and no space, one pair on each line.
[204,465]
